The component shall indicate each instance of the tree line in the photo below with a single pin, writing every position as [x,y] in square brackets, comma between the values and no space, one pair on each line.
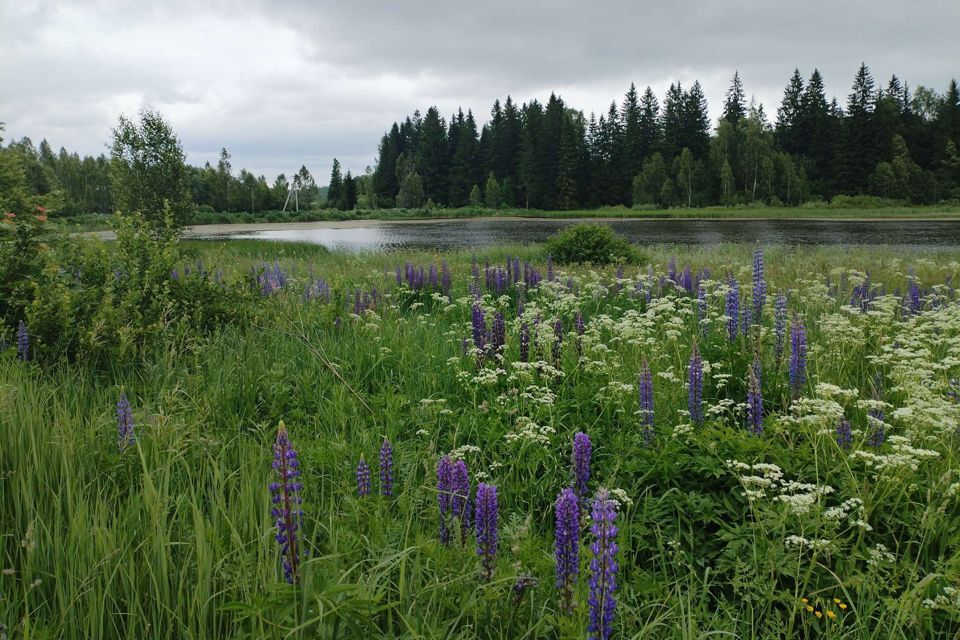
[886,141]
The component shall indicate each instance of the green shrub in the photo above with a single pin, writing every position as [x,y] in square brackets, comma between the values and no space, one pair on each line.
[591,243]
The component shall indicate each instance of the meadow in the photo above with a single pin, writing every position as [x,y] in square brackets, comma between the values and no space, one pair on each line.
[773,438]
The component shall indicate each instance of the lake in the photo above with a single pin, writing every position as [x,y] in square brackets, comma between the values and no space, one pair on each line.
[372,235]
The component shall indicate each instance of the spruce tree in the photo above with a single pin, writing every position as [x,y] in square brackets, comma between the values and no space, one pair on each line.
[788,115]
[735,105]
[335,190]
[433,158]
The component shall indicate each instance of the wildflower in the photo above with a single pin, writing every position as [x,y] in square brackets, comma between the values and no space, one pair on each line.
[286,500]
[23,342]
[695,392]
[549,268]
[486,511]
[386,468]
[125,435]
[499,333]
[524,583]
[733,310]
[798,355]
[479,328]
[754,403]
[580,328]
[759,285]
[557,341]
[582,448]
[702,306]
[646,401]
[567,545]
[363,477]
[524,342]
[844,434]
[444,477]
[779,324]
[603,566]
[460,495]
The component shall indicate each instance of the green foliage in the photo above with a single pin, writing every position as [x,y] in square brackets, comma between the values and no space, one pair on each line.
[591,243]
[148,171]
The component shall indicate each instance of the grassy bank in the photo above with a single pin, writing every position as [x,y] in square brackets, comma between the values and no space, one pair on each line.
[724,529]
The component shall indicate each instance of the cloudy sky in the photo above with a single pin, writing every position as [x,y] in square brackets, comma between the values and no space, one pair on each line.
[285,83]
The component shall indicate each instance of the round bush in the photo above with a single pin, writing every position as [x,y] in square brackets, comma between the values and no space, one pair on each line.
[591,243]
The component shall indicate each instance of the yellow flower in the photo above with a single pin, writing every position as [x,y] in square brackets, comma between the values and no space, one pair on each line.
[842,606]
[819,614]
[804,600]
[809,608]
[831,615]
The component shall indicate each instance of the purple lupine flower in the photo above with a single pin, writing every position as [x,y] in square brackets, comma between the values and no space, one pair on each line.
[798,355]
[603,566]
[844,433]
[524,342]
[499,333]
[582,449]
[444,480]
[557,341]
[460,496]
[486,515]
[754,402]
[913,294]
[619,277]
[733,310]
[702,308]
[285,497]
[446,280]
[23,342]
[524,583]
[779,324]
[386,468]
[125,434]
[686,279]
[580,329]
[567,545]
[878,432]
[695,391]
[645,385]
[672,269]
[549,268]
[479,329]
[363,478]
[759,285]
[516,270]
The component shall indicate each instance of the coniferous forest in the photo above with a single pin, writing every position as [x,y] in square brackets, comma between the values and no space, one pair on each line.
[886,140]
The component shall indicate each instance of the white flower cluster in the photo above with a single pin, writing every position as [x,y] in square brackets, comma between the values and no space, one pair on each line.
[879,556]
[947,600]
[901,456]
[804,543]
[526,430]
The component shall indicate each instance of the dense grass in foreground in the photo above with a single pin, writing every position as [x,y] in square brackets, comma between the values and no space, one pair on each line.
[94,222]
[173,537]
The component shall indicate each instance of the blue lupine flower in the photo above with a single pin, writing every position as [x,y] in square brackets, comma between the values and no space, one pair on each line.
[286,499]
[695,382]
[582,450]
[567,545]
[487,514]
[603,566]
[125,433]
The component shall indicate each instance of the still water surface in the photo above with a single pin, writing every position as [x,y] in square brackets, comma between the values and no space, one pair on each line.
[470,233]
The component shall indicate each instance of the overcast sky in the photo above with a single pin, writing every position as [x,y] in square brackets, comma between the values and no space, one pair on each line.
[285,83]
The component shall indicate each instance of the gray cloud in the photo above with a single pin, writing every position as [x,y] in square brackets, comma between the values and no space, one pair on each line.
[282,84]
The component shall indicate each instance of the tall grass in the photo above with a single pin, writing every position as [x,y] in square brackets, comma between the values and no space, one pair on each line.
[173,537]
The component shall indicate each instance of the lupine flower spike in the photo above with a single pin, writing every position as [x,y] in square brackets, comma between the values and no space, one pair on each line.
[603,566]
[386,468]
[23,342]
[486,512]
[285,496]
[567,546]
[460,496]
[582,450]
[363,478]
[798,356]
[695,391]
[759,285]
[125,435]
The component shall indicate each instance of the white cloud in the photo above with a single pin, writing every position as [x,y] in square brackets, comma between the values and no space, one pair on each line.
[282,84]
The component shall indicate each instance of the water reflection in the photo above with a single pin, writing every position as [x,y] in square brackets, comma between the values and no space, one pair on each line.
[454,234]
